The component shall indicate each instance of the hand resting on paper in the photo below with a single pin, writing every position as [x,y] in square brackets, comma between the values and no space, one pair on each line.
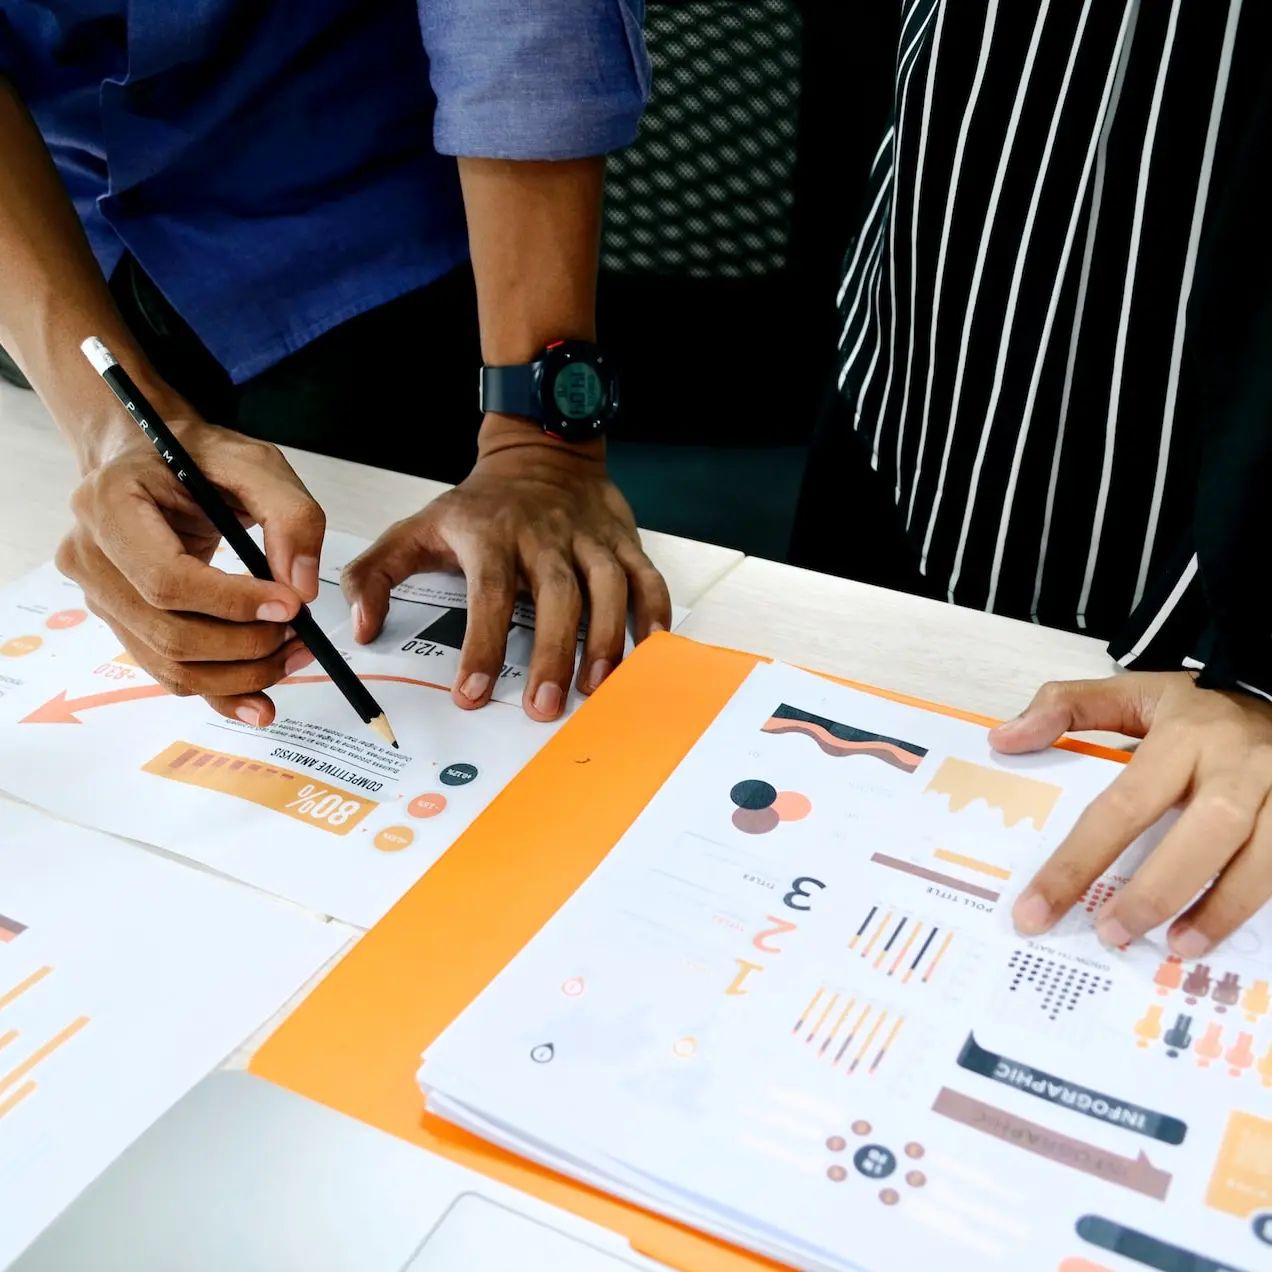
[534,514]
[141,550]
[1207,751]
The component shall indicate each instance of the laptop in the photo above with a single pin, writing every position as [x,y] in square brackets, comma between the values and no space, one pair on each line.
[242,1174]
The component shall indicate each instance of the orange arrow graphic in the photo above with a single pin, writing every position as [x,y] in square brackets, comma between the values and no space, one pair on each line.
[64,710]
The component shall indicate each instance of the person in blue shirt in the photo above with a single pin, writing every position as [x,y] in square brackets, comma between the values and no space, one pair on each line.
[266,211]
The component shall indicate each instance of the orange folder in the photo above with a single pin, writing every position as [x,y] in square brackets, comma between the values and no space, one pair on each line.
[355,1043]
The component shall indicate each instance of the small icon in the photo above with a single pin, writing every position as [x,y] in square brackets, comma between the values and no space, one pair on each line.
[543,1053]
[874,1161]
[1262,1226]
[458,774]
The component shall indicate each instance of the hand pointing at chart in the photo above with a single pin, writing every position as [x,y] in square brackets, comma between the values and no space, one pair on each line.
[1207,752]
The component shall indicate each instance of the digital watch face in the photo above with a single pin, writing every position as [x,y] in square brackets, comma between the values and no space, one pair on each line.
[578,391]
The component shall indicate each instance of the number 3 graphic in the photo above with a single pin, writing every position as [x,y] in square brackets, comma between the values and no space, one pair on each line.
[798,889]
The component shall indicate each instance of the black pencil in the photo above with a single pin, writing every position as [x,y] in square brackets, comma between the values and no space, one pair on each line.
[218,512]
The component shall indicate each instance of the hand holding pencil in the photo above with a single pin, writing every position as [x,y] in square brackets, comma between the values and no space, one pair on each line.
[142,542]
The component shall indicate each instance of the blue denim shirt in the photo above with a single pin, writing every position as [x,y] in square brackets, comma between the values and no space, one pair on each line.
[277,167]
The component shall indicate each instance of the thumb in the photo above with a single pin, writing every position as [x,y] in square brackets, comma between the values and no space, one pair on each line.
[1118,704]
[405,548]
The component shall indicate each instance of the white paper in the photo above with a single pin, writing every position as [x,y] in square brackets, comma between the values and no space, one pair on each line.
[124,979]
[808,1027]
[314,808]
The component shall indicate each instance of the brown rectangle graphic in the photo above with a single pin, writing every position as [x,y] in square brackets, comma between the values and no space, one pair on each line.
[934,876]
[1136,1173]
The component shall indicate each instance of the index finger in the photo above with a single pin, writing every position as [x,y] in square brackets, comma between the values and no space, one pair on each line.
[145,549]
[1154,780]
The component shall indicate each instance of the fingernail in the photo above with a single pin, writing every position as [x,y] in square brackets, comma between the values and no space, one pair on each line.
[1190,943]
[289,633]
[547,699]
[301,658]
[249,715]
[355,617]
[656,626]
[272,612]
[1032,914]
[474,688]
[305,576]
[597,672]
[1112,934]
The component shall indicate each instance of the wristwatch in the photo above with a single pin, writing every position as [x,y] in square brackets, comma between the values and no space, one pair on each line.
[570,390]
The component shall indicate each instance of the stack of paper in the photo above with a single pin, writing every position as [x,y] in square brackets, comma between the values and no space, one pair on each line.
[789,1009]
[124,979]
[314,808]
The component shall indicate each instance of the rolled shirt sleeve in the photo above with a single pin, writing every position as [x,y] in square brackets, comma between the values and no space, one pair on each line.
[535,79]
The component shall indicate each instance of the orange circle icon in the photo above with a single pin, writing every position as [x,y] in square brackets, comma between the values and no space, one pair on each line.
[573,987]
[426,805]
[836,1143]
[792,806]
[914,1150]
[861,1128]
[65,618]
[837,1173]
[20,646]
[394,838]
[685,1047]
[889,1197]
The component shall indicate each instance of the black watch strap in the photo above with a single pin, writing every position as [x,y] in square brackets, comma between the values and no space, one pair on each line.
[510,390]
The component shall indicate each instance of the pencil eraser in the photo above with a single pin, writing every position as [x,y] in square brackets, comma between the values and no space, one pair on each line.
[98,355]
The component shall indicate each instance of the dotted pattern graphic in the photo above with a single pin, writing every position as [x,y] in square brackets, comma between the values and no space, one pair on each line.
[1055,987]
[1102,890]
[706,190]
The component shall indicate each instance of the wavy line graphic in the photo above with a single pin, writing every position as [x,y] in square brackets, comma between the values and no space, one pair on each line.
[842,740]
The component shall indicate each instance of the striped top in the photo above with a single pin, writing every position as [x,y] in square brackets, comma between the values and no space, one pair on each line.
[1016,340]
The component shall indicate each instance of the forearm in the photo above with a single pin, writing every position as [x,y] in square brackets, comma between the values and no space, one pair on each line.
[54,296]
[534,234]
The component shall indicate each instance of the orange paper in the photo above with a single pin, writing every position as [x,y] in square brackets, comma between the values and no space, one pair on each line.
[355,1043]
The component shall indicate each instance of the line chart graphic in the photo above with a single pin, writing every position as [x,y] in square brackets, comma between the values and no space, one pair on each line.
[1016,797]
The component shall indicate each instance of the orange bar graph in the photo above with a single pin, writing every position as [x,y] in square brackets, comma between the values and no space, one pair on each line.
[808,1011]
[843,1016]
[870,944]
[883,1051]
[865,1046]
[18,990]
[821,1020]
[905,949]
[940,954]
[304,797]
[16,1098]
[41,1053]
[971,863]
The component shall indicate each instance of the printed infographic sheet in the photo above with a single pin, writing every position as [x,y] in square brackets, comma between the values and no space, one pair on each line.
[314,808]
[124,979]
[790,1008]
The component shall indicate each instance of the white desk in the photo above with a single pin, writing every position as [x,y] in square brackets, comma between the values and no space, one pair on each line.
[961,657]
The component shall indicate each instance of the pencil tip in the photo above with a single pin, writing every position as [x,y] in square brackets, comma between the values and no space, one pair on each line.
[381,725]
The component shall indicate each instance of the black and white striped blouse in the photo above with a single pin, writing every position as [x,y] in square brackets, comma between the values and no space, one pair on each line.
[1024,340]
